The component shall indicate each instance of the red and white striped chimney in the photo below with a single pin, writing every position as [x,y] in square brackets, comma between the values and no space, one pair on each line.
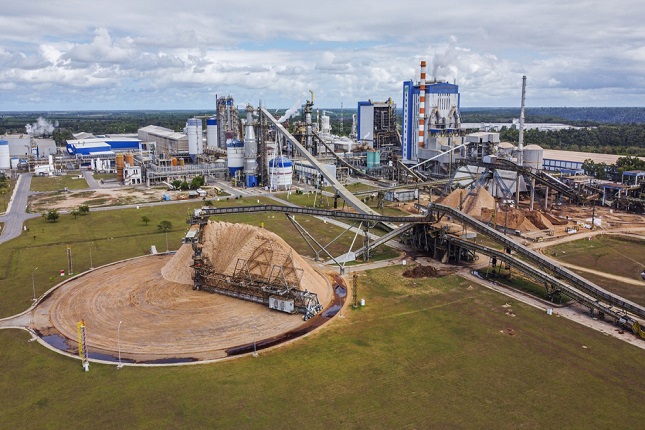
[422,105]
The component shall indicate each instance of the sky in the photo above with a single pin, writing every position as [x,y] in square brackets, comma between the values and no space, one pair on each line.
[162,54]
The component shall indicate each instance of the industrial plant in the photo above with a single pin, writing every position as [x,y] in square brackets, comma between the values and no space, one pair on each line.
[456,184]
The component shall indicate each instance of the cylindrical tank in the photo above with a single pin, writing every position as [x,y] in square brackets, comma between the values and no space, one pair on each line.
[533,157]
[181,161]
[211,133]
[280,173]
[15,162]
[173,161]
[5,157]
[129,158]
[234,155]
[373,159]
[195,137]
[119,167]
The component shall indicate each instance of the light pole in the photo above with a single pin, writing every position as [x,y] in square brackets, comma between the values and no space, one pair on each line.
[118,337]
[166,240]
[91,263]
[255,336]
[33,284]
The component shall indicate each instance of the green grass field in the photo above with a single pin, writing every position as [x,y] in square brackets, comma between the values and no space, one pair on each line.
[423,353]
[621,256]
[5,194]
[57,183]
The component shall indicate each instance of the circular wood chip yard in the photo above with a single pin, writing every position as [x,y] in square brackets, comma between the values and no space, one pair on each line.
[160,319]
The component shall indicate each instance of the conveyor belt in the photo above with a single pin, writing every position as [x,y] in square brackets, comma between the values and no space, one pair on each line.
[574,279]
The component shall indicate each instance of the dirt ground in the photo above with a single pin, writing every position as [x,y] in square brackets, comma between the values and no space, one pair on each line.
[101,197]
[160,319]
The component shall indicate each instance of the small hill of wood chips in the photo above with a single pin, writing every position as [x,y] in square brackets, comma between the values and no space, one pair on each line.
[264,252]
[471,202]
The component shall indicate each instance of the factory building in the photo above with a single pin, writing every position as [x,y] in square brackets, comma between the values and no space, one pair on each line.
[168,142]
[376,124]
[428,110]
[100,145]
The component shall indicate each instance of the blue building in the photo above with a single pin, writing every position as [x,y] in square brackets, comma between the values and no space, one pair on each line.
[102,145]
[442,114]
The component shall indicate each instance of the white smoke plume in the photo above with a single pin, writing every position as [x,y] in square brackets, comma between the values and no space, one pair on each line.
[290,113]
[41,127]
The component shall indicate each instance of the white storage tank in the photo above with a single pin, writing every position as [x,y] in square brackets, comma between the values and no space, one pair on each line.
[533,157]
[5,157]
[280,173]
[211,133]
[324,124]
[234,155]
[195,137]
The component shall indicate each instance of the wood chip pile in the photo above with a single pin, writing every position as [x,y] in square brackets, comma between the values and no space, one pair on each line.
[224,243]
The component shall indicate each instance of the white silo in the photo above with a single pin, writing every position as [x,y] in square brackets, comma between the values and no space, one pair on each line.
[533,157]
[280,173]
[211,133]
[195,137]
[5,157]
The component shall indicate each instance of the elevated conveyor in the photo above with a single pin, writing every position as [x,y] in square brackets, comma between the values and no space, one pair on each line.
[205,212]
[351,199]
[574,279]
[541,275]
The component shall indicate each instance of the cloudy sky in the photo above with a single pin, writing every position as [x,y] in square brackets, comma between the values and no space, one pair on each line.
[162,54]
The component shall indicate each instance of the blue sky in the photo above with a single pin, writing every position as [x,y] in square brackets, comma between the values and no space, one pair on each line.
[69,54]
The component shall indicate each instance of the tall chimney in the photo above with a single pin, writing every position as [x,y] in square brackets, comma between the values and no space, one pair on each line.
[422,105]
[520,143]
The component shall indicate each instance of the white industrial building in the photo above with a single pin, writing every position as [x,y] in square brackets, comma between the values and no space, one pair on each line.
[169,142]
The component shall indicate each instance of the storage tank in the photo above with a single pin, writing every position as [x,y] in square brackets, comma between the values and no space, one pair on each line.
[234,155]
[280,173]
[211,133]
[533,157]
[119,167]
[181,162]
[129,158]
[173,161]
[5,157]
[373,159]
[195,137]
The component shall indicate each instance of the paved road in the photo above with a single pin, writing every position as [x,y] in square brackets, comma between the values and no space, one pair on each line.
[17,215]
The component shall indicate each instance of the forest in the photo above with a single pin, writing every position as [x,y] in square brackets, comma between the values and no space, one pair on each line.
[606,130]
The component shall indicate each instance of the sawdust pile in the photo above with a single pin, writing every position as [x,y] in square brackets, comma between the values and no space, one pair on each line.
[538,220]
[265,254]
[471,202]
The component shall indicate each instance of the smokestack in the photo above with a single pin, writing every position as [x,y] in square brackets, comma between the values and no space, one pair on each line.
[520,143]
[422,105]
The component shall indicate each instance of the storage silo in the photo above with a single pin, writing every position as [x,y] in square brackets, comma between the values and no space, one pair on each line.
[533,157]
[234,155]
[280,173]
[195,137]
[211,133]
[119,167]
[373,159]
[129,158]
[5,156]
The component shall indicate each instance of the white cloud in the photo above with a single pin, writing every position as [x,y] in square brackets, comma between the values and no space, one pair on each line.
[148,54]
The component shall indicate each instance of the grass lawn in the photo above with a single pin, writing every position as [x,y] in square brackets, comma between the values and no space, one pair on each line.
[5,193]
[57,183]
[622,256]
[423,353]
